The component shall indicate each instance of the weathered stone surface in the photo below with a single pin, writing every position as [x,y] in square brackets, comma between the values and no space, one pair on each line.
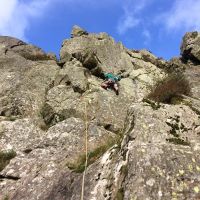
[27,51]
[23,82]
[158,125]
[147,55]
[111,56]
[60,104]
[78,31]
[40,155]
[52,56]
[104,106]
[192,74]
[88,58]
[73,74]
[148,74]
[162,172]
[190,48]
[158,168]
[99,52]
[137,148]
[20,135]
[193,103]
[149,166]
[10,42]
[176,65]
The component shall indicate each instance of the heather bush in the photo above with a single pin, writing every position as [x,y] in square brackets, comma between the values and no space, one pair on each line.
[174,85]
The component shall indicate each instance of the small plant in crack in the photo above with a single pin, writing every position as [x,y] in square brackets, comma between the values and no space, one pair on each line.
[5,157]
[155,105]
[178,141]
[6,197]
[79,165]
[120,194]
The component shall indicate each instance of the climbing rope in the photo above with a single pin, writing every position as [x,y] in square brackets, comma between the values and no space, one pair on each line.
[86,151]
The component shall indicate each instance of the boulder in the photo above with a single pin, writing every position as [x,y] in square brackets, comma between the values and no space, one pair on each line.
[190,47]
[78,31]
[88,58]
[73,74]
[97,49]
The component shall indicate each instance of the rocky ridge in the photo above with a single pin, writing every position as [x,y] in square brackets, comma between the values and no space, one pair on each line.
[142,144]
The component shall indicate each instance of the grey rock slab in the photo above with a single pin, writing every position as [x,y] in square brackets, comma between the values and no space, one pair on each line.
[42,167]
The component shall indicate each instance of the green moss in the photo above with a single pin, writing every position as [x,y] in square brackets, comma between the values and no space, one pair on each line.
[153,104]
[79,165]
[49,117]
[177,100]
[120,194]
[178,141]
[6,197]
[2,130]
[1,135]
[5,157]
[124,170]
[43,126]
[12,118]
[195,110]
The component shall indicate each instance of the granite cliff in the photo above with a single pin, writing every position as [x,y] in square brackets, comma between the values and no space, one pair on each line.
[143,144]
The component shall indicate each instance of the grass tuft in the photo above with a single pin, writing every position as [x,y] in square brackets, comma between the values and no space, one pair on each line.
[79,165]
[178,141]
[120,194]
[6,197]
[5,157]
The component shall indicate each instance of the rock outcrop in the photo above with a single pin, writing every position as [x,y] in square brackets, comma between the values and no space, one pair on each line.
[190,46]
[140,145]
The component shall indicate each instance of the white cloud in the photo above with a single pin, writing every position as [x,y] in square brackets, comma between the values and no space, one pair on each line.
[130,19]
[147,36]
[15,15]
[127,22]
[184,15]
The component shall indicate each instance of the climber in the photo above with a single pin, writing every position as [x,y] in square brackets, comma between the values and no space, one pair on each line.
[111,81]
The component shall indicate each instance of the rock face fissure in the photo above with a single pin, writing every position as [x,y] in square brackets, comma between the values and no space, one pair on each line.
[9,177]
[142,144]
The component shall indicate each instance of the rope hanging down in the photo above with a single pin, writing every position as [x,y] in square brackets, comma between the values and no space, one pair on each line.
[86,151]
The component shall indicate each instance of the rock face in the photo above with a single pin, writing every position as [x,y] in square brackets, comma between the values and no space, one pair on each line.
[78,31]
[52,111]
[190,46]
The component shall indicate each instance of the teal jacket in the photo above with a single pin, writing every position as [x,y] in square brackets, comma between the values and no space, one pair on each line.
[112,76]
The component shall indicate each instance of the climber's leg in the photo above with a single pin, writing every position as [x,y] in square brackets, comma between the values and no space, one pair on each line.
[105,85]
[116,88]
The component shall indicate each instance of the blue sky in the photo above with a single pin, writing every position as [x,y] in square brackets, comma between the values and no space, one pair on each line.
[157,25]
